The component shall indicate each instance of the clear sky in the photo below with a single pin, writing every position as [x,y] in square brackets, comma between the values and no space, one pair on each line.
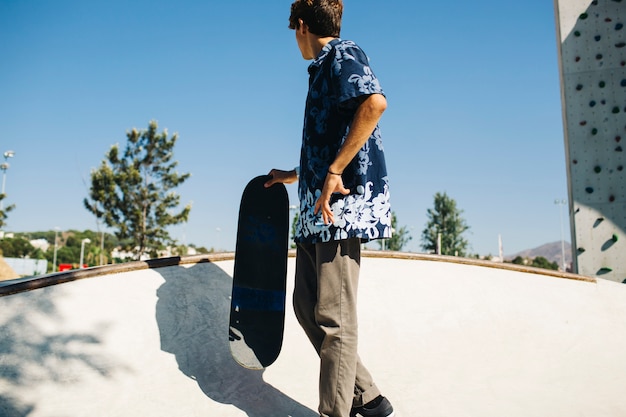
[474,106]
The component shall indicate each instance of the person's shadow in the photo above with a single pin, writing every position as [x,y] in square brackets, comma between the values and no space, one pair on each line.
[192,314]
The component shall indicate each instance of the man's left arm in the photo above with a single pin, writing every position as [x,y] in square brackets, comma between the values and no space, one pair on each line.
[363,124]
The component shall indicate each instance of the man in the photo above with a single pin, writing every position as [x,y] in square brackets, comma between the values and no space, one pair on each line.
[344,201]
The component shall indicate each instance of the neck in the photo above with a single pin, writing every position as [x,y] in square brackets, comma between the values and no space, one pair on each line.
[316,44]
[322,43]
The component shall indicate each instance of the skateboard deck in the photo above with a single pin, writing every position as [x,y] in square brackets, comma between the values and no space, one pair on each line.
[257,311]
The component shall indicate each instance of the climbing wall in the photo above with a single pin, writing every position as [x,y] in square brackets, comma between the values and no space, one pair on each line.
[592,58]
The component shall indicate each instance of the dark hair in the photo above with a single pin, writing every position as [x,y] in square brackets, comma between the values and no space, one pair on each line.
[323,17]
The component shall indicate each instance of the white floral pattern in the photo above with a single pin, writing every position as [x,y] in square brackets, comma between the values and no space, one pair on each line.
[337,80]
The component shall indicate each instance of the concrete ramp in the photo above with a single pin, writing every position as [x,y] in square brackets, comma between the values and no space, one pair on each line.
[442,338]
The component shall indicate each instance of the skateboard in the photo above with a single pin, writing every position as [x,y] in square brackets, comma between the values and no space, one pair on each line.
[257,311]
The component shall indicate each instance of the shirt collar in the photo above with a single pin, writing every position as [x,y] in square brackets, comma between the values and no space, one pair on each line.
[323,53]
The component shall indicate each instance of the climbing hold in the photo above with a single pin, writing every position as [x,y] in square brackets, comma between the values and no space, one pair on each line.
[579,87]
[618,138]
[620,44]
[623,83]
[583,122]
[618,149]
[614,238]
[597,169]
[601,84]
[594,131]
[592,103]
[583,16]
[615,110]
[589,190]
[605,270]
[597,38]
[620,168]
[577,59]
[575,161]
[619,26]
[599,57]
[611,198]
[581,250]
[577,33]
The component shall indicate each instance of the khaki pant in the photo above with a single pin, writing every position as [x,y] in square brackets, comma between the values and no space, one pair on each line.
[325,303]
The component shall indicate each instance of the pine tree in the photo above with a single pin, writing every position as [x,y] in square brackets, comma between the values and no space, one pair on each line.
[445,220]
[4,212]
[399,237]
[133,192]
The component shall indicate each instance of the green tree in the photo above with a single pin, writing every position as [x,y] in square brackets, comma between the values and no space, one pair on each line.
[132,193]
[399,237]
[518,260]
[4,212]
[445,220]
[19,247]
[541,262]
[294,226]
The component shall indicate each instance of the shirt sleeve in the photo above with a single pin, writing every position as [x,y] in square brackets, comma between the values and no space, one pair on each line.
[353,76]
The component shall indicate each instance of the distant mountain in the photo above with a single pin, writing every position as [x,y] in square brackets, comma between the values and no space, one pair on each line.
[550,251]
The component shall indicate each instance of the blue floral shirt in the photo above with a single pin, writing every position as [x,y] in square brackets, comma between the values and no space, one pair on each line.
[340,78]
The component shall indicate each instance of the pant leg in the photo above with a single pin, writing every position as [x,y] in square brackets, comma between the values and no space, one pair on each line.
[305,294]
[325,303]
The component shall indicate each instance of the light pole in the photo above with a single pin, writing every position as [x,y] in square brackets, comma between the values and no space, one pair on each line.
[561,202]
[54,258]
[4,166]
[82,251]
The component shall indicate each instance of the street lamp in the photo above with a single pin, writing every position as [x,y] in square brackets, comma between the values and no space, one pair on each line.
[4,166]
[561,202]
[82,251]
[54,258]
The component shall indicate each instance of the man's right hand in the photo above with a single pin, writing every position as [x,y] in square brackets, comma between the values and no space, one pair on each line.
[280,176]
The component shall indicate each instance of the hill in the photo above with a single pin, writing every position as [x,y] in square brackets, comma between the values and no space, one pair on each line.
[550,251]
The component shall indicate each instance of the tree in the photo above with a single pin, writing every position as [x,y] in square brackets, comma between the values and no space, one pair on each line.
[518,260]
[445,220]
[541,262]
[19,247]
[537,262]
[294,227]
[4,211]
[399,238]
[132,192]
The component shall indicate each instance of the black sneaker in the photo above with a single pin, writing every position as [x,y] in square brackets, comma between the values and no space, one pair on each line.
[378,407]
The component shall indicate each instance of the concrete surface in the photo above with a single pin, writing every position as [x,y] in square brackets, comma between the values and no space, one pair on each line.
[441,338]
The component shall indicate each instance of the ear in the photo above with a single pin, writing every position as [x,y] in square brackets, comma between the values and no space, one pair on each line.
[302,27]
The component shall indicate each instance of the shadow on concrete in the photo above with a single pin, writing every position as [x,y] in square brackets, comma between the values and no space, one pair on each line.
[192,314]
[30,353]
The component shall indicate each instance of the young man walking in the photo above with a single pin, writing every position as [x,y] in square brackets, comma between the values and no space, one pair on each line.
[344,201]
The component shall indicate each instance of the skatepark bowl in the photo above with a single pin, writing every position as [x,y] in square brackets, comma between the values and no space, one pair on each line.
[442,336]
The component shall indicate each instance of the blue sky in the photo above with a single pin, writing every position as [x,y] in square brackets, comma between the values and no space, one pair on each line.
[473,92]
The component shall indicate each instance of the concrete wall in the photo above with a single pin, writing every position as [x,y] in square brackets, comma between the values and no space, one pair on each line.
[592,58]
[27,267]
